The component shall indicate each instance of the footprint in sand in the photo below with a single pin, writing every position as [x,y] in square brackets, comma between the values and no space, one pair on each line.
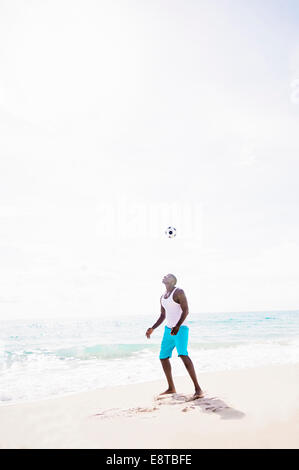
[135,411]
[188,408]
[164,397]
[173,398]
[130,412]
[107,413]
[206,404]
[178,401]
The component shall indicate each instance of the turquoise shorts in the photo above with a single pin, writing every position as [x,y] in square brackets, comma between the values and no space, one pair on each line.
[180,341]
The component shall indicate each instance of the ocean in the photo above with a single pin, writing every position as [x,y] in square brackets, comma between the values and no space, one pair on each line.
[52,357]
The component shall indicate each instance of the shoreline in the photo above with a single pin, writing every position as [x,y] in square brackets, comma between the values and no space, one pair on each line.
[108,387]
[256,407]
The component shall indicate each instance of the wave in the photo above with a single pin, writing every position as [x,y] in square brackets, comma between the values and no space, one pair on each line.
[112,351]
[119,350]
[98,351]
[105,351]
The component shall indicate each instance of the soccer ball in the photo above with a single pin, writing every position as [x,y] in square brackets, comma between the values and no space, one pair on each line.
[170,232]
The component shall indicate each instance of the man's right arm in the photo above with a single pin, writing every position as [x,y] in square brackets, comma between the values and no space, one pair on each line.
[158,322]
[160,319]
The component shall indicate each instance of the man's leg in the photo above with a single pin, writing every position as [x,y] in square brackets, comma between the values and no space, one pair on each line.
[190,368]
[181,345]
[167,369]
[167,345]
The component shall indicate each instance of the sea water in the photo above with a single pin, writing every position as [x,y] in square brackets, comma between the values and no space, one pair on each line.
[51,357]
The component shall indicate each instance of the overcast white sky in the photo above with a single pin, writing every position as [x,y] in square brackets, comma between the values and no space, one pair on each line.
[120,118]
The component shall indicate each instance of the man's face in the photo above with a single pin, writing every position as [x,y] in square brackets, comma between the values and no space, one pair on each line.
[168,280]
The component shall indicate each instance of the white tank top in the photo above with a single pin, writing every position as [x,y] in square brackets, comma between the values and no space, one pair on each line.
[173,310]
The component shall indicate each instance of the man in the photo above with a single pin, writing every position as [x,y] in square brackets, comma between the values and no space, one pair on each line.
[174,307]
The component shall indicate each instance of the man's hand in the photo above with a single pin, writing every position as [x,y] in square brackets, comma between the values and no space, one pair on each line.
[149,332]
[174,330]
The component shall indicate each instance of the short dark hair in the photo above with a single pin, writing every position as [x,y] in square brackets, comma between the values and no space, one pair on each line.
[174,278]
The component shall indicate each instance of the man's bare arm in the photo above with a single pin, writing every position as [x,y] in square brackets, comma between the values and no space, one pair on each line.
[160,319]
[182,299]
[158,322]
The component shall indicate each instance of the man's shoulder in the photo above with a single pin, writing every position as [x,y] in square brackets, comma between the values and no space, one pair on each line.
[179,292]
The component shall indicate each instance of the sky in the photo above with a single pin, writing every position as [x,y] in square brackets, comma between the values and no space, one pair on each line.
[118,119]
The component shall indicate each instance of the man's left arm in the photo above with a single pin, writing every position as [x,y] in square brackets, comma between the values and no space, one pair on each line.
[182,300]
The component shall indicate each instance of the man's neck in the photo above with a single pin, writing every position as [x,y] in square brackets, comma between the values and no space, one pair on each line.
[169,289]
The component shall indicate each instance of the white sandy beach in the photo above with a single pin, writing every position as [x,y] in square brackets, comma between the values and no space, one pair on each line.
[248,408]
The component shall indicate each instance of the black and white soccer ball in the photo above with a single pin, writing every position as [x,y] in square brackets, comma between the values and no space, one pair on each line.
[170,232]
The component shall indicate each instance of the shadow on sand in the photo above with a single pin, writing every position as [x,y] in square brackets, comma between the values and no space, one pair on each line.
[207,405]
[180,402]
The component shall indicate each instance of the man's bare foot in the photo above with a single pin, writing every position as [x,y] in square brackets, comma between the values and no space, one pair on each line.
[198,394]
[169,390]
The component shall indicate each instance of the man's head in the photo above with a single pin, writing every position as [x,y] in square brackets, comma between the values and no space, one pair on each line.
[169,280]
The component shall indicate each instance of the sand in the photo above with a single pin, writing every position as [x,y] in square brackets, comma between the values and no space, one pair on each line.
[248,408]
